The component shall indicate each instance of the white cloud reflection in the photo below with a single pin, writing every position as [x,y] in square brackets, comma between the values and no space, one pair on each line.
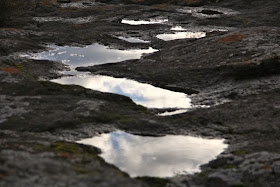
[141,93]
[90,55]
[144,22]
[133,40]
[181,35]
[178,28]
[156,156]
[167,113]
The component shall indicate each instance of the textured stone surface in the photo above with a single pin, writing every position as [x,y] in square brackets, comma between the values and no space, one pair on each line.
[234,70]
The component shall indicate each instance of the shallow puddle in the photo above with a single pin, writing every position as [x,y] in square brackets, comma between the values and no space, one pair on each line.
[178,28]
[207,12]
[141,93]
[165,156]
[171,113]
[133,40]
[144,22]
[90,55]
[205,29]
[181,35]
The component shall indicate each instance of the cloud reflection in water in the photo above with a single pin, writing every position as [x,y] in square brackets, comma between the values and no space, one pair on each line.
[181,35]
[90,55]
[142,94]
[133,40]
[156,156]
[144,22]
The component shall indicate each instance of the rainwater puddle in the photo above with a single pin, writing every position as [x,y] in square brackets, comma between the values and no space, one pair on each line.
[141,93]
[181,35]
[207,12]
[167,113]
[178,28]
[133,40]
[144,22]
[90,55]
[205,29]
[165,156]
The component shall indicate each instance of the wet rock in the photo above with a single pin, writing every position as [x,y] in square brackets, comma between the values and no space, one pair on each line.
[234,72]
[276,167]
[91,105]
[9,108]
[32,160]
[258,67]
[210,12]
[249,170]
[177,2]
[64,1]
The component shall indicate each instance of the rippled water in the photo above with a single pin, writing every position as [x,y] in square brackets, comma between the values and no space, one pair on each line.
[142,94]
[90,55]
[156,156]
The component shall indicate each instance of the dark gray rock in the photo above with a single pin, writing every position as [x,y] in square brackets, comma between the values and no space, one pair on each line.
[64,1]
[236,72]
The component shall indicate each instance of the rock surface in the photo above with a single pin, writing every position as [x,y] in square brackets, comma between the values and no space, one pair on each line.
[234,70]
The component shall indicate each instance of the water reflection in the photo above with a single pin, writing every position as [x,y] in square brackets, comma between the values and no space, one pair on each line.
[142,94]
[90,55]
[144,22]
[178,28]
[181,35]
[207,12]
[167,113]
[133,40]
[156,156]
[201,28]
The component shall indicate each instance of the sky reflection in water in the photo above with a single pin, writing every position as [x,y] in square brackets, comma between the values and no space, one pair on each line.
[142,94]
[156,156]
[178,28]
[181,35]
[90,55]
[144,22]
[133,40]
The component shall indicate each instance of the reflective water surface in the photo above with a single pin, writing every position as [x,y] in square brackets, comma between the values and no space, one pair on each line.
[181,35]
[156,156]
[178,28]
[167,113]
[90,55]
[205,29]
[141,93]
[144,22]
[201,12]
[133,40]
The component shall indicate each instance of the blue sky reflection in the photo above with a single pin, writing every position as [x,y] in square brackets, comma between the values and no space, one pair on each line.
[90,55]
[141,93]
[156,156]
